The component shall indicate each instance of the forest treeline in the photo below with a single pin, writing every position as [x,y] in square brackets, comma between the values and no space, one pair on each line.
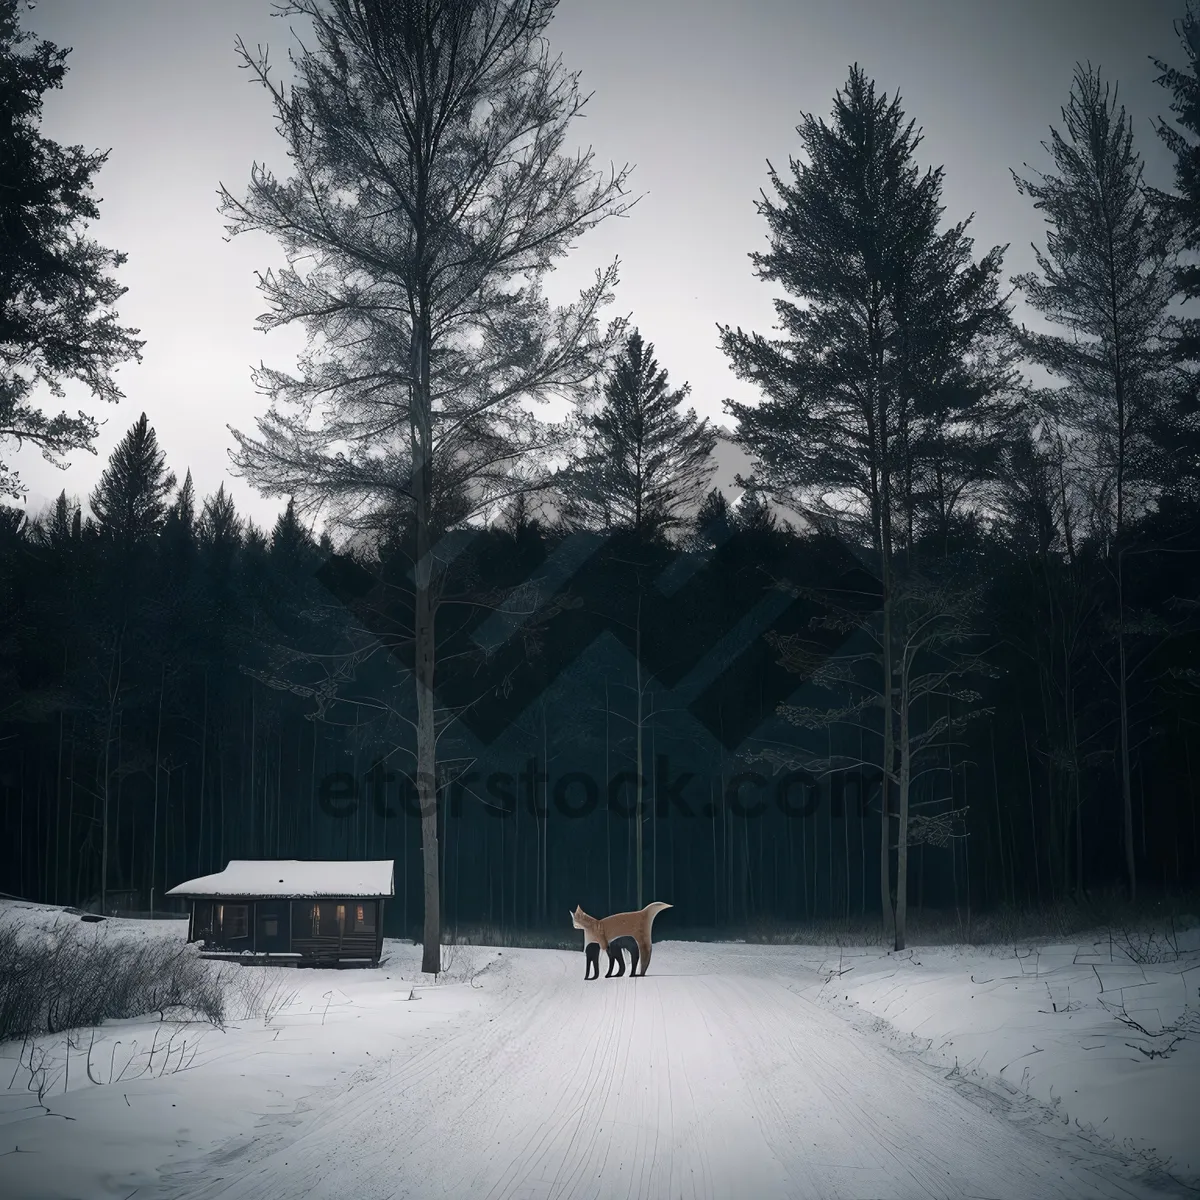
[944,650]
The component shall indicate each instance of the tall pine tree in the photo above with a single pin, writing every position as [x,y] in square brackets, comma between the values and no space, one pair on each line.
[645,464]
[130,502]
[713,523]
[901,338]
[1181,422]
[1107,277]
[56,317]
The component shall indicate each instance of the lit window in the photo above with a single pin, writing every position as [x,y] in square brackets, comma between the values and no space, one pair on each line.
[316,920]
[341,918]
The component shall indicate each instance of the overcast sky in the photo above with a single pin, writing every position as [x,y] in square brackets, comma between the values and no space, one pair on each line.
[697,94]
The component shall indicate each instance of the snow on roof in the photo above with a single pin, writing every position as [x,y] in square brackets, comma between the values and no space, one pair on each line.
[294,877]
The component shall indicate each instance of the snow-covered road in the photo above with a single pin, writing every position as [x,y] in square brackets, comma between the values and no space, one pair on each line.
[711,1077]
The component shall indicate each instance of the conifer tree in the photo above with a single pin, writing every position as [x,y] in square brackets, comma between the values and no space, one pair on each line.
[713,522]
[56,316]
[179,528]
[753,514]
[220,529]
[903,337]
[520,518]
[289,538]
[1107,277]
[184,508]
[1184,87]
[645,464]
[1180,425]
[61,522]
[130,501]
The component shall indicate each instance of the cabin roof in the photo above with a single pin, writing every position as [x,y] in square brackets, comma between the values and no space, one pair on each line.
[291,877]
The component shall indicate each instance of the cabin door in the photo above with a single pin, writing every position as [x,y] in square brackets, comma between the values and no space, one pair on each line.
[273,930]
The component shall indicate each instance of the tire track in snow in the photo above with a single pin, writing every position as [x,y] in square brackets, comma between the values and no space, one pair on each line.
[711,1084]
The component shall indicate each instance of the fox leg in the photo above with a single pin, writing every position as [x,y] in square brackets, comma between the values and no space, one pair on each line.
[633,959]
[592,954]
[644,947]
[615,959]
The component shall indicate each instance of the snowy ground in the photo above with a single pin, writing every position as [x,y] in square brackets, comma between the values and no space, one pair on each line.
[729,1071]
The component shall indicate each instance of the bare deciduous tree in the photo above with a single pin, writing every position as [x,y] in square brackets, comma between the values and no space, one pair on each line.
[431,194]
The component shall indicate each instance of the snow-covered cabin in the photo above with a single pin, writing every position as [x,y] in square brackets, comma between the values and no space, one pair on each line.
[321,913]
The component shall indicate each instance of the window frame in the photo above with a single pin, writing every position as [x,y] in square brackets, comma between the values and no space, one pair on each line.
[231,917]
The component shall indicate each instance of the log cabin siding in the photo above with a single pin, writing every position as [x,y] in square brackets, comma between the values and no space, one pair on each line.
[324,930]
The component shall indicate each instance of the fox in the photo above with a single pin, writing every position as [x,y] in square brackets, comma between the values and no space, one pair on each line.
[615,957]
[636,925]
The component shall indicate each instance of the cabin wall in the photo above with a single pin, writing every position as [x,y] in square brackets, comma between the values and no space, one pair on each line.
[341,928]
[326,929]
[228,924]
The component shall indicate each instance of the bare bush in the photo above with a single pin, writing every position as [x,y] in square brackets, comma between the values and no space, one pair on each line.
[258,994]
[64,979]
[459,962]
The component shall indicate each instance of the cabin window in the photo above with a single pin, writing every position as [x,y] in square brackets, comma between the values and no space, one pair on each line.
[341,919]
[324,920]
[364,918]
[233,920]
[270,927]
[203,926]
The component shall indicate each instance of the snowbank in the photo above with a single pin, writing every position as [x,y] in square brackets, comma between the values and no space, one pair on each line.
[331,1078]
[102,1112]
[1104,1032]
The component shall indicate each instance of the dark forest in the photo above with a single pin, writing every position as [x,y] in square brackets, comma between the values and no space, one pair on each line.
[942,654]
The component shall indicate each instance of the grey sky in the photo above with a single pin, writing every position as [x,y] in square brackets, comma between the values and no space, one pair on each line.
[697,94]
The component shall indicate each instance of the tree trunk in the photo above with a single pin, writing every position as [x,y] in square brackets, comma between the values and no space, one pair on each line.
[162,686]
[1032,816]
[545,821]
[279,781]
[1126,789]
[654,810]
[1078,836]
[424,650]
[221,794]
[312,797]
[250,810]
[115,663]
[846,849]
[203,778]
[608,809]
[167,827]
[885,834]
[999,821]
[902,831]
[829,829]
[71,814]
[58,797]
[638,669]
[713,837]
